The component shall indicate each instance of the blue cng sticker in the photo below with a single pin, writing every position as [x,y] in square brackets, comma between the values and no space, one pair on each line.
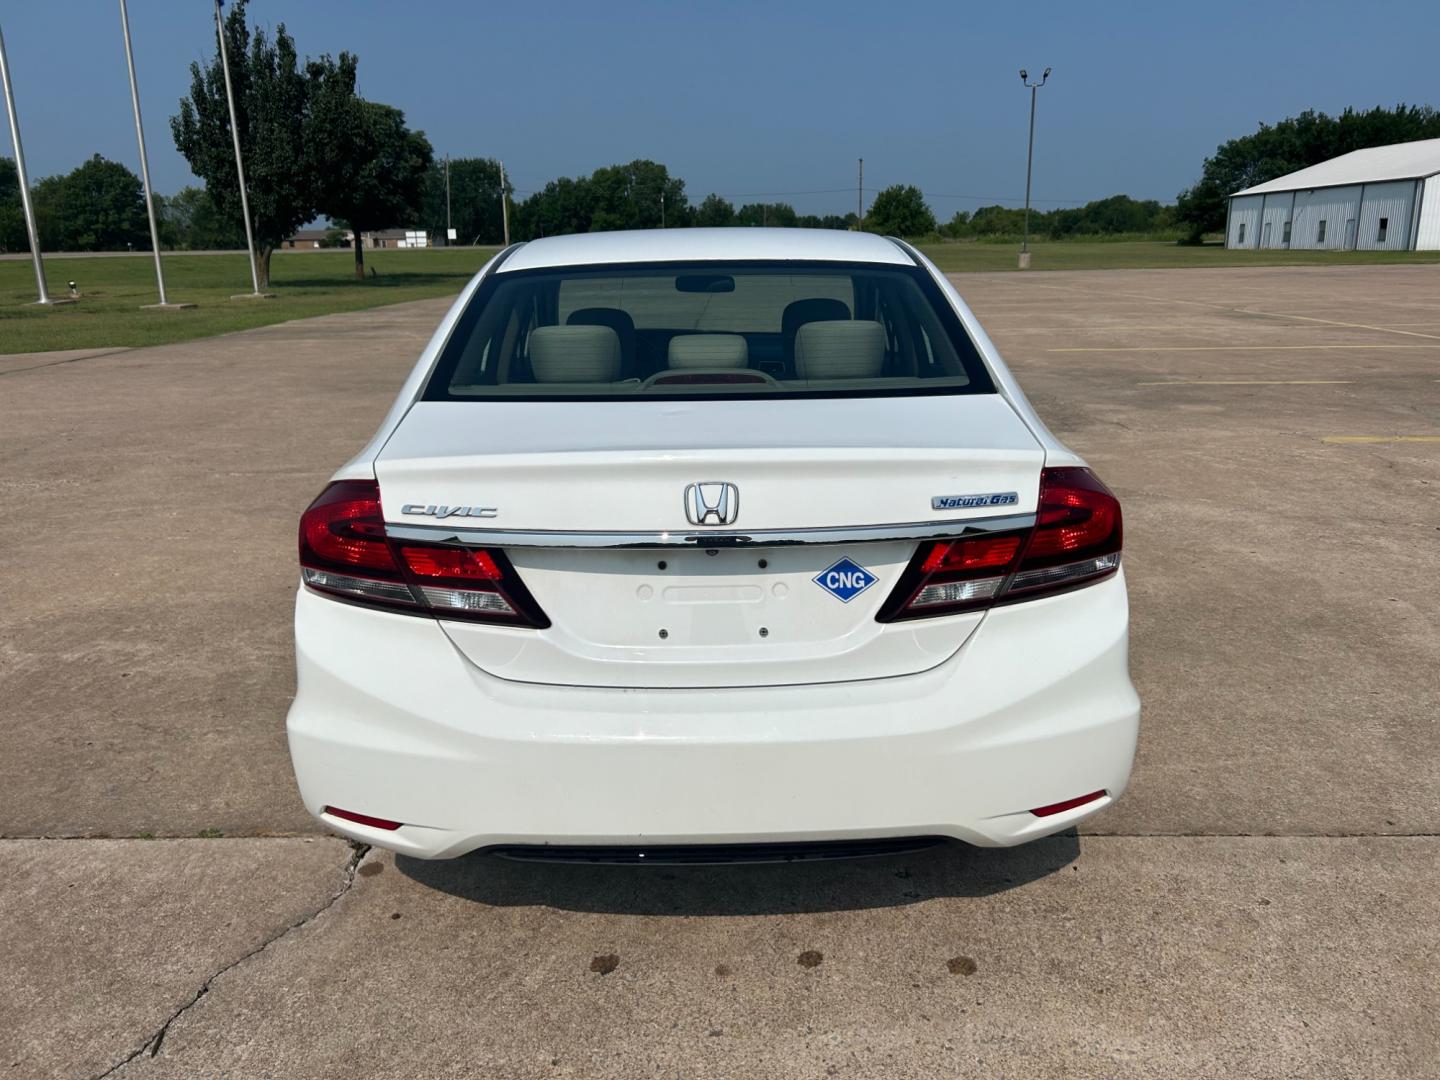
[845,580]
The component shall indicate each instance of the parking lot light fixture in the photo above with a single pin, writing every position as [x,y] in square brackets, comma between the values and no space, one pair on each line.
[1029,162]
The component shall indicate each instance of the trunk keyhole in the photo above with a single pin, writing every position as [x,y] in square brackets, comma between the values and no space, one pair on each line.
[764,563]
[664,633]
[662,564]
[764,631]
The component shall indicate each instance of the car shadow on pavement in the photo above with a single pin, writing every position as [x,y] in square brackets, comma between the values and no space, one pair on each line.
[853,884]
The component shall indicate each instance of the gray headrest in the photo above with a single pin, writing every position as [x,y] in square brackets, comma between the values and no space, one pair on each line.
[840,350]
[709,351]
[574,354]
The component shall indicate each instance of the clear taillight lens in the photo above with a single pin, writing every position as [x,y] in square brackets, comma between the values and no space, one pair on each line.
[1076,540]
[345,553]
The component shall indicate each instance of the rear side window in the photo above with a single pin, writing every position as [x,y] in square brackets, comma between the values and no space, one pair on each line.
[707,330]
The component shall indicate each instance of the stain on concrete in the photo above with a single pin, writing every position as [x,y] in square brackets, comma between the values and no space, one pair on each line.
[604,965]
[810,958]
[962,965]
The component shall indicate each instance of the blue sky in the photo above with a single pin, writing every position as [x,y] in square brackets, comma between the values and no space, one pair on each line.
[745,98]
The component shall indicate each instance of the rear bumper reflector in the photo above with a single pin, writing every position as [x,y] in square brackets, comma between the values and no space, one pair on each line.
[1068,804]
[362,819]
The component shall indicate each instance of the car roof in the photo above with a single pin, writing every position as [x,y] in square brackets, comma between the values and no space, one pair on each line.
[739,244]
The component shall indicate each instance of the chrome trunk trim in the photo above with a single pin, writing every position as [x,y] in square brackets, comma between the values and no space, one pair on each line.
[696,538]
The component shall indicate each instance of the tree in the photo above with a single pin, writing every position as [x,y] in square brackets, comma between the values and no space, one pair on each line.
[715,212]
[12,214]
[98,206]
[191,221]
[639,195]
[775,215]
[900,210]
[375,174]
[272,106]
[1294,143]
[475,208]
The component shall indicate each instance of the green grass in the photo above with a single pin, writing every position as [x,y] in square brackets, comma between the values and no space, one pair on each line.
[109,313]
[113,289]
[1144,255]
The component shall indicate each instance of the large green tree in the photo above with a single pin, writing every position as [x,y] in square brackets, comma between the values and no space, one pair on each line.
[12,215]
[475,208]
[98,206]
[714,212]
[900,210]
[638,195]
[272,105]
[1294,143]
[775,215]
[376,179]
[190,221]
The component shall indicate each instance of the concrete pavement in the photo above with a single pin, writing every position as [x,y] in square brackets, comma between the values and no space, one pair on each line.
[1260,903]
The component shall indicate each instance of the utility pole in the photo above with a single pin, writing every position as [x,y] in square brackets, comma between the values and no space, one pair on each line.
[240,164]
[860,197]
[20,175]
[504,204]
[449,232]
[662,209]
[164,304]
[1029,162]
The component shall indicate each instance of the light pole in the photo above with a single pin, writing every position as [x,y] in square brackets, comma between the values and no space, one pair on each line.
[504,205]
[449,232]
[860,197]
[1029,162]
[239,164]
[164,304]
[24,180]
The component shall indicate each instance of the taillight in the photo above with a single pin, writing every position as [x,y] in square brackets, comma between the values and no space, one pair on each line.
[1076,540]
[344,552]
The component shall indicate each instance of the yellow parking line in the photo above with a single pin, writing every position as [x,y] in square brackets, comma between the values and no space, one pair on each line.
[1248,382]
[1235,348]
[1342,439]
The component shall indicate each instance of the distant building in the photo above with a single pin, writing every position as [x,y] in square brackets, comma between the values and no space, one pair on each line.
[396,238]
[1386,198]
[308,238]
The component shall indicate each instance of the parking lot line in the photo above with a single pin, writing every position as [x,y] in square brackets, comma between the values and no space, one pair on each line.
[1344,439]
[1248,382]
[1228,348]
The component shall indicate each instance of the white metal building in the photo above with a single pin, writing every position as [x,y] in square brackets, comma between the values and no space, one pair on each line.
[1386,198]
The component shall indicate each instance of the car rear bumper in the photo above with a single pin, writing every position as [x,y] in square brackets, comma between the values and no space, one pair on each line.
[391,721]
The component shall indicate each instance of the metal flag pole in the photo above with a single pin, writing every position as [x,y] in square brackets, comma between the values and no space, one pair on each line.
[24,179]
[145,165]
[239,163]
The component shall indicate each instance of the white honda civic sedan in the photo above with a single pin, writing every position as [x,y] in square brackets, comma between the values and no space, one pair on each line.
[710,540]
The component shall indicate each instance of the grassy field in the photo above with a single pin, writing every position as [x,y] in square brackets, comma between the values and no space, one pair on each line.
[304,283]
[319,283]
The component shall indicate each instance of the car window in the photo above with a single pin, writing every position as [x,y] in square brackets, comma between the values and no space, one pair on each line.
[707,330]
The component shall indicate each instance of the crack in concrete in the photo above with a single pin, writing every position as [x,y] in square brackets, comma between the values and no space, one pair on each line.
[155,1041]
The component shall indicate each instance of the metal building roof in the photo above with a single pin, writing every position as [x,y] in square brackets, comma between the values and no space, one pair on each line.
[1398,161]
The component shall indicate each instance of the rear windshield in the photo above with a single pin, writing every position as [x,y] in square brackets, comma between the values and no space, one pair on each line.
[746,330]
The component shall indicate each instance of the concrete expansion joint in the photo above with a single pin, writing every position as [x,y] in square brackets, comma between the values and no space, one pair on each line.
[151,1046]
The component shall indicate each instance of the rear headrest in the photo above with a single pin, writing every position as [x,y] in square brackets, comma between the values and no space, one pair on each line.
[839,350]
[574,354]
[813,309]
[617,319]
[709,351]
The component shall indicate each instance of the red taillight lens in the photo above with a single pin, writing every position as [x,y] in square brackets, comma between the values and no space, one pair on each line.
[344,528]
[1076,540]
[345,552]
